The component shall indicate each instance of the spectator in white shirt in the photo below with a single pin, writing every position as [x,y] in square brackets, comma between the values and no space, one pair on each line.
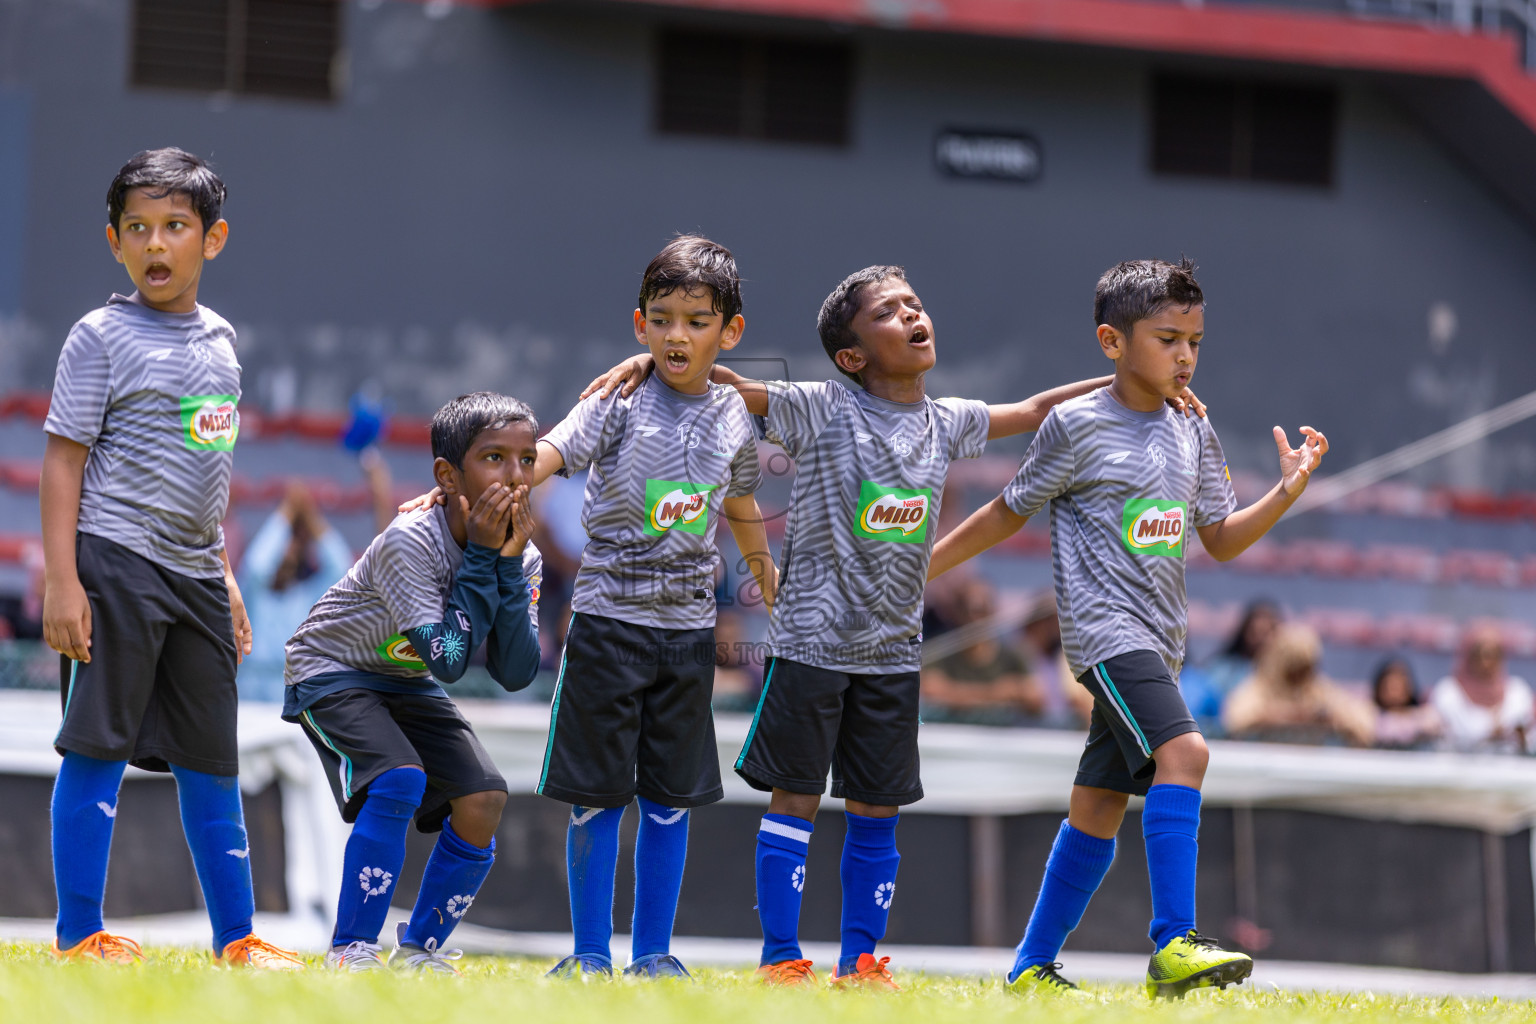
[1485,709]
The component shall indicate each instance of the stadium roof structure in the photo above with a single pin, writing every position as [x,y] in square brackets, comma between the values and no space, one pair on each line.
[1469,87]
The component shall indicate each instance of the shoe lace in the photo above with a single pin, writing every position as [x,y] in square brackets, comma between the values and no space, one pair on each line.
[433,959]
[878,968]
[1194,938]
[1050,974]
[358,950]
[260,950]
[114,948]
[799,968]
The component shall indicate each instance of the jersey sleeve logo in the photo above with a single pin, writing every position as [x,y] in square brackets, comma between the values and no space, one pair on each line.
[677,505]
[397,650]
[209,423]
[893,513]
[1154,527]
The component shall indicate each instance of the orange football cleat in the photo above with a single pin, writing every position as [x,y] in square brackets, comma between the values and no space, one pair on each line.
[114,949]
[787,974]
[259,955]
[868,973]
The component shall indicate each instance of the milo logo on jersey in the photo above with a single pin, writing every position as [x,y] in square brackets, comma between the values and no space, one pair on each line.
[676,505]
[893,513]
[209,423]
[1154,527]
[397,650]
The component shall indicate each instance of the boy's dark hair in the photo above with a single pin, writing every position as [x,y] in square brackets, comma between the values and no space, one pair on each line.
[456,425]
[835,321]
[693,263]
[167,172]
[1140,289]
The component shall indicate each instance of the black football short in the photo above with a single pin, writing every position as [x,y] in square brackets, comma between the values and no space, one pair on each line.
[360,734]
[861,727]
[631,715]
[1137,708]
[160,686]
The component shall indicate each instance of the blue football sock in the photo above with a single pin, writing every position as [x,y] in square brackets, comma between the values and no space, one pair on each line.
[869,884]
[661,849]
[782,841]
[214,823]
[591,857]
[84,807]
[375,852]
[1076,866]
[453,877]
[1170,823]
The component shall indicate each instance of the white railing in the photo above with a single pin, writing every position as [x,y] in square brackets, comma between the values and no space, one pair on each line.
[1491,16]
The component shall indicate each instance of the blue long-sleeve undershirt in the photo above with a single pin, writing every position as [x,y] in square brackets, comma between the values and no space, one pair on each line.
[513,655]
[481,607]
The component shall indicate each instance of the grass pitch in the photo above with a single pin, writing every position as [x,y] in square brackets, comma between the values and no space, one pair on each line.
[178,985]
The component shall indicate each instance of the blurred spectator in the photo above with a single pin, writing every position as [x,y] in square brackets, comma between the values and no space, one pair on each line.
[560,536]
[1403,720]
[1485,709]
[941,603]
[1218,677]
[987,683]
[1067,705]
[1287,699]
[21,616]
[287,567]
[738,679]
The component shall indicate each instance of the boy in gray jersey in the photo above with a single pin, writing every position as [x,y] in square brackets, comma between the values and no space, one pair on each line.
[435,585]
[140,601]
[841,690]
[631,714]
[1125,479]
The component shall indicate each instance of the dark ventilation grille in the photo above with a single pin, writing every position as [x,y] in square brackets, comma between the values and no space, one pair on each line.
[753,87]
[283,48]
[181,44]
[1244,131]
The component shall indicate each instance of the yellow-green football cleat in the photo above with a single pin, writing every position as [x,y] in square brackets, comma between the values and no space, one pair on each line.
[1043,980]
[1194,961]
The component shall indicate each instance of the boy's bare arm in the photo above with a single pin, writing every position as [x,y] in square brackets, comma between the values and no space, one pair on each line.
[66,610]
[746,521]
[237,614]
[1023,417]
[627,376]
[1237,533]
[991,524]
[549,462]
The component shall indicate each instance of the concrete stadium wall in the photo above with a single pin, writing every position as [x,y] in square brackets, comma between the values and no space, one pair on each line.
[1315,887]
[476,208]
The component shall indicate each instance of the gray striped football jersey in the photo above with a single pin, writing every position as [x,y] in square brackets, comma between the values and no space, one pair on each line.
[1125,489]
[155,397]
[661,461]
[402,581]
[863,514]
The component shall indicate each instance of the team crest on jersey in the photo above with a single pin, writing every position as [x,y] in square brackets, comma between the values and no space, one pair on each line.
[398,650]
[209,423]
[1152,527]
[893,513]
[1157,455]
[676,505]
[901,444]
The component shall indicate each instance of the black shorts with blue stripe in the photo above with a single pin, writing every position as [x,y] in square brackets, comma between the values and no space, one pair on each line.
[631,715]
[1137,707]
[361,733]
